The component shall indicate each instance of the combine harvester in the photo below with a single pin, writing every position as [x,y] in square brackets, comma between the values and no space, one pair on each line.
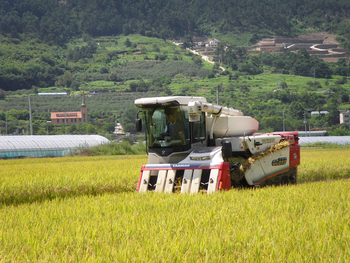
[194,146]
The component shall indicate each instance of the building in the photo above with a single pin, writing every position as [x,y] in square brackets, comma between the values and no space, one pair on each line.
[314,113]
[70,117]
[46,94]
[118,130]
[344,117]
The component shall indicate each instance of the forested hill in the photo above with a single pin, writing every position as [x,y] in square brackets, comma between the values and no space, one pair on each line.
[58,21]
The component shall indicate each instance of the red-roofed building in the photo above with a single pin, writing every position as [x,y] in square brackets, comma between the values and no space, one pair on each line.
[72,117]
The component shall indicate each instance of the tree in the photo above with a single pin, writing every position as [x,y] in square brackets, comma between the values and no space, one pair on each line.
[130,127]
[50,127]
[345,98]
[2,94]
[340,132]
[332,117]
[273,122]
[109,127]
[164,34]
[90,129]
[296,110]
[188,41]
[129,116]
[65,80]
[198,60]
[75,85]
[127,43]
[220,51]
[72,129]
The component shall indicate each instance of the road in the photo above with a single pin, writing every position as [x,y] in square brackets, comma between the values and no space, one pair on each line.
[205,58]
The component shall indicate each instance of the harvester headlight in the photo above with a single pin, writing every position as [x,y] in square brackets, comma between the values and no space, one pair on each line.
[200,158]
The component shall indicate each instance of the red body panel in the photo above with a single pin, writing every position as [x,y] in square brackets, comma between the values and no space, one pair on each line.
[292,137]
[224,180]
[138,185]
[294,157]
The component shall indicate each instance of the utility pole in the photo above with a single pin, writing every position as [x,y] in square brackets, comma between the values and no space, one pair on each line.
[6,122]
[264,71]
[305,122]
[30,117]
[217,95]
[283,121]
[314,77]
[65,120]
[280,86]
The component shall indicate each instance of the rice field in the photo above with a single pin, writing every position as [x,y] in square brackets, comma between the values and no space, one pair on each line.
[84,209]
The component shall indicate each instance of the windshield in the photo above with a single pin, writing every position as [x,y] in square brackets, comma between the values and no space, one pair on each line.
[167,126]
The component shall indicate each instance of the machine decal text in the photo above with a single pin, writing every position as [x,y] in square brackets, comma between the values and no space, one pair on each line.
[279,161]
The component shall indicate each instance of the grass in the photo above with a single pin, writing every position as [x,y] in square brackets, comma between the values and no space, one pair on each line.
[55,216]
[114,148]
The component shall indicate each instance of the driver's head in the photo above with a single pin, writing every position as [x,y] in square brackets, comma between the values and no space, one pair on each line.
[170,114]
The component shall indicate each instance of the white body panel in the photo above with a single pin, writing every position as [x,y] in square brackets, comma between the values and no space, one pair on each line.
[144,181]
[186,182]
[213,181]
[227,126]
[260,143]
[182,100]
[267,166]
[169,184]
[161,181]
[196,180]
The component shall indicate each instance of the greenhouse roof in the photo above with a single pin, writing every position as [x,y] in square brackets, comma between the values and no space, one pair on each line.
[325,139]
[46,145]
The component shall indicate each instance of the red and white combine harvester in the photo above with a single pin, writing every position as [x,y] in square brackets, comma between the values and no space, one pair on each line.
[194,146]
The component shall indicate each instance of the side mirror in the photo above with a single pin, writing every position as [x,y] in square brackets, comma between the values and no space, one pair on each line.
[226,149]
[138,124]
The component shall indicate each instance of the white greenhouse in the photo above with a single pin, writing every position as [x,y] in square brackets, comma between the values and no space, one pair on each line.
[325,139]
[46,145]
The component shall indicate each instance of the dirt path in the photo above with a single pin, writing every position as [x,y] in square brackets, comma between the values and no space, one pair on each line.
[205,58]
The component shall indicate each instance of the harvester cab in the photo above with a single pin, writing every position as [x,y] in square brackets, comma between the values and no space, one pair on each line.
[194,146]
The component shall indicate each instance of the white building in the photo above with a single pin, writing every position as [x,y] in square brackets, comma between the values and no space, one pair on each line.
[344,117]
[319,113]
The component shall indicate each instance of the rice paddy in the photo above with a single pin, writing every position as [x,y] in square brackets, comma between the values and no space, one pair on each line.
[84,209]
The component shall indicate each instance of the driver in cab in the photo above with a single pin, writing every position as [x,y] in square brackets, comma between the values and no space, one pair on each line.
[173,127]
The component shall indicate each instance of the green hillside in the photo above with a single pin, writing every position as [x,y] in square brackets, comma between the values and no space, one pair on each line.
[123,51]
[61,21]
